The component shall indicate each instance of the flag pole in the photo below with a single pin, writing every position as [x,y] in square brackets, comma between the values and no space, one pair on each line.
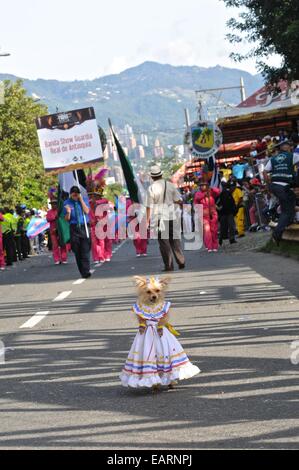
[84,217]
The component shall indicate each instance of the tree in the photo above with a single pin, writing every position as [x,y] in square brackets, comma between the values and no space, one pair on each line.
[271,27]
[22,177]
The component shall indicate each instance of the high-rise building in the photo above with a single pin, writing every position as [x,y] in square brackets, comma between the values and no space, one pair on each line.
[118,175]
[128,130]
[132,143]
[140,153]
[144,140]
[106,154]
[158,150]
[109,146]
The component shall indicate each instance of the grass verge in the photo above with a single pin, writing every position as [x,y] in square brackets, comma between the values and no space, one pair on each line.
[286,248]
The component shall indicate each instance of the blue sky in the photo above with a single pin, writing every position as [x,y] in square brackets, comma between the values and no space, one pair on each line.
[85,39]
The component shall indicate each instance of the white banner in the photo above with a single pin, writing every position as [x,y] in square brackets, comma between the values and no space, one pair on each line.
[69,141]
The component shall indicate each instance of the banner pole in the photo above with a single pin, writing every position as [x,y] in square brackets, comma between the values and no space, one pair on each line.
[85,222]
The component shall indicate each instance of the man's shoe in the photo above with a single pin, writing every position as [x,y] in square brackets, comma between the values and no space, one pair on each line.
[166,270]
[232,242]
[182,266]
[87,276]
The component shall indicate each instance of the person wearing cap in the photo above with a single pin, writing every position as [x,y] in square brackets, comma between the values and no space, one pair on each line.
[59,252]
[162,202]
[76,210]
[281,168]
[8,227]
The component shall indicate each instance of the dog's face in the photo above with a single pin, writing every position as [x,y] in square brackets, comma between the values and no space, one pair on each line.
[151,291]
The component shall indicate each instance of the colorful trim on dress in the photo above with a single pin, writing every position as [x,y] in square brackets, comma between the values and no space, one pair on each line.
[148,313]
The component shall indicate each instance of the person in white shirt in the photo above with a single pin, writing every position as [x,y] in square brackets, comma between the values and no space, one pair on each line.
[163,202]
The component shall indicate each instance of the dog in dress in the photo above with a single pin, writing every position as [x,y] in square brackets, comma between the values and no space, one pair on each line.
[156,357]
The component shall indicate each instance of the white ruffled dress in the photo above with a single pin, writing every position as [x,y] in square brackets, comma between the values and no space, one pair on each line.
[155,360]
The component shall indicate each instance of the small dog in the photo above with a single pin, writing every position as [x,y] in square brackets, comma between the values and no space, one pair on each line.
[151,291]
[156,358]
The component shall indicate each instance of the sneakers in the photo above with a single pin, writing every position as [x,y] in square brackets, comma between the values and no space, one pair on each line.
[138,256]
[64,262]
[57,263]
[108,260]
[144,254]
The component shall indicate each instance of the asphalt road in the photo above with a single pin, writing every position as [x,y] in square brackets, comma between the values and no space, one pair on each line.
[238,316]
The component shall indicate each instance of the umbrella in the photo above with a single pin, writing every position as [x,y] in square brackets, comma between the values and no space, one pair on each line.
[37,226]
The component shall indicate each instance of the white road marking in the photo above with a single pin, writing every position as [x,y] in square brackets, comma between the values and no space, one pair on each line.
[80,281]
[39,316]
[62,296]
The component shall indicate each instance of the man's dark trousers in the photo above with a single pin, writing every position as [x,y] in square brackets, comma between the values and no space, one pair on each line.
[81,246]
[10,247]
[169,246]
[287,200]
[227,227]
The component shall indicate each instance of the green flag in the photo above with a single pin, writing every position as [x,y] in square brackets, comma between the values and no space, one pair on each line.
[127,169]
[63,227]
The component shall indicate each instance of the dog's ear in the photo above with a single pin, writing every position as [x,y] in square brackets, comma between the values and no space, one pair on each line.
[165,281]
[140,281]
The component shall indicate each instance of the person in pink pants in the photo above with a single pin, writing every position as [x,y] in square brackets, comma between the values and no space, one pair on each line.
[207,197]
[59,252]
[140,243]
[252,215]
[96,246]
[2,259]
[105,243]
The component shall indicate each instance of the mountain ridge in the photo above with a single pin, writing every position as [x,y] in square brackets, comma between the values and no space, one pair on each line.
[151,96]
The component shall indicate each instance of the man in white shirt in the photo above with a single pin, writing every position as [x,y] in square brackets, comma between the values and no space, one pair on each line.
[163,201]
[281,167]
